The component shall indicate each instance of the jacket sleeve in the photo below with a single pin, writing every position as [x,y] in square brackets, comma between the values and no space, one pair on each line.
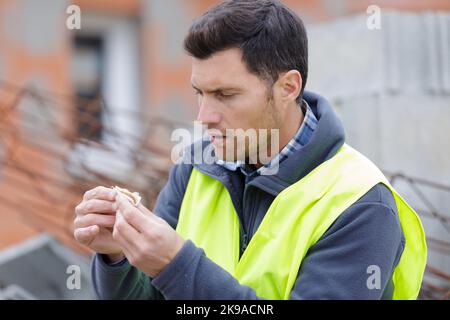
[366,234]
[364,244]
[122,280]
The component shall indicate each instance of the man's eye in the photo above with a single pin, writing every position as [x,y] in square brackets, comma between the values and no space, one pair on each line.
[224,96]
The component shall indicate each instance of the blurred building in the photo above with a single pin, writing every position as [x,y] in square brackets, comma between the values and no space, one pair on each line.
[79,108]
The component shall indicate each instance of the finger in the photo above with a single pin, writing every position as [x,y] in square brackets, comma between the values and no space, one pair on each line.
[100,193]
[128,247]
[106,221]
[146,211]
[125,233]
[86,235]
[123,204]
[95,206]
[132,215]
[124,245]
[129,254]
[150,213]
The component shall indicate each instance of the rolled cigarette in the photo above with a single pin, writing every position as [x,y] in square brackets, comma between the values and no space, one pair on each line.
[133,197]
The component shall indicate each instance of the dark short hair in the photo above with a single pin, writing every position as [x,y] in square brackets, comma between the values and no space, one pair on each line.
[271,36]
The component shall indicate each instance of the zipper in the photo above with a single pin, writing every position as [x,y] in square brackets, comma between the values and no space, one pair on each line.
[251,221]
[253,214]
[243,242]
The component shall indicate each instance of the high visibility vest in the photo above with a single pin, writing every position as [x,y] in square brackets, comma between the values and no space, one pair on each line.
[295,221]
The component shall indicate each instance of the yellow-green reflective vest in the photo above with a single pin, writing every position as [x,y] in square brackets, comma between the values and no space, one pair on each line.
[295,221]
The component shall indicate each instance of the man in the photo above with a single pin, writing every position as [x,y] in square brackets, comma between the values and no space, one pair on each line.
[324,225]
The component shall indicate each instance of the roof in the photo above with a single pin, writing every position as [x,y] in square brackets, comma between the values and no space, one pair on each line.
[37,269]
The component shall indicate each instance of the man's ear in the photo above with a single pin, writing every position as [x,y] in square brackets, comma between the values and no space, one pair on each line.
[290,85]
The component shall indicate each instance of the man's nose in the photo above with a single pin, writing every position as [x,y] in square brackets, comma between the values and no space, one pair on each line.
[207,114]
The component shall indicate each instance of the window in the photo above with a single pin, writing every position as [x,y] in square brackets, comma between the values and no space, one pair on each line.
[87,70]
[106,80]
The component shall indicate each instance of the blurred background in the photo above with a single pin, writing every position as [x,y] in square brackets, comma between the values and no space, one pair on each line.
[97,105]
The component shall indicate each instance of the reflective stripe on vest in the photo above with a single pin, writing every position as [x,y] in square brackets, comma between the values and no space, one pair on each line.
[295,221]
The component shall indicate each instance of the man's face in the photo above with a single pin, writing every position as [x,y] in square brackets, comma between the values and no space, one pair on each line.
[230,97]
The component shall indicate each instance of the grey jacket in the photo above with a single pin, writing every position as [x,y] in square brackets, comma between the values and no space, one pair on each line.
[338,266]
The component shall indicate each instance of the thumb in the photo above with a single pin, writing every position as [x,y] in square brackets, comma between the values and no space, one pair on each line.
[150,214]
[146,211]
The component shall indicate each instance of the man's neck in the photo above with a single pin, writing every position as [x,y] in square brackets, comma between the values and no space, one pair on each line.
[287,131]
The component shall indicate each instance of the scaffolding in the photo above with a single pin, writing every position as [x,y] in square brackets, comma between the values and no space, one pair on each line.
[31,132]
[436,283]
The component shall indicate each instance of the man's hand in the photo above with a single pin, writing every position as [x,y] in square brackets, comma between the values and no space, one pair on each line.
[149,243]
[94,221]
